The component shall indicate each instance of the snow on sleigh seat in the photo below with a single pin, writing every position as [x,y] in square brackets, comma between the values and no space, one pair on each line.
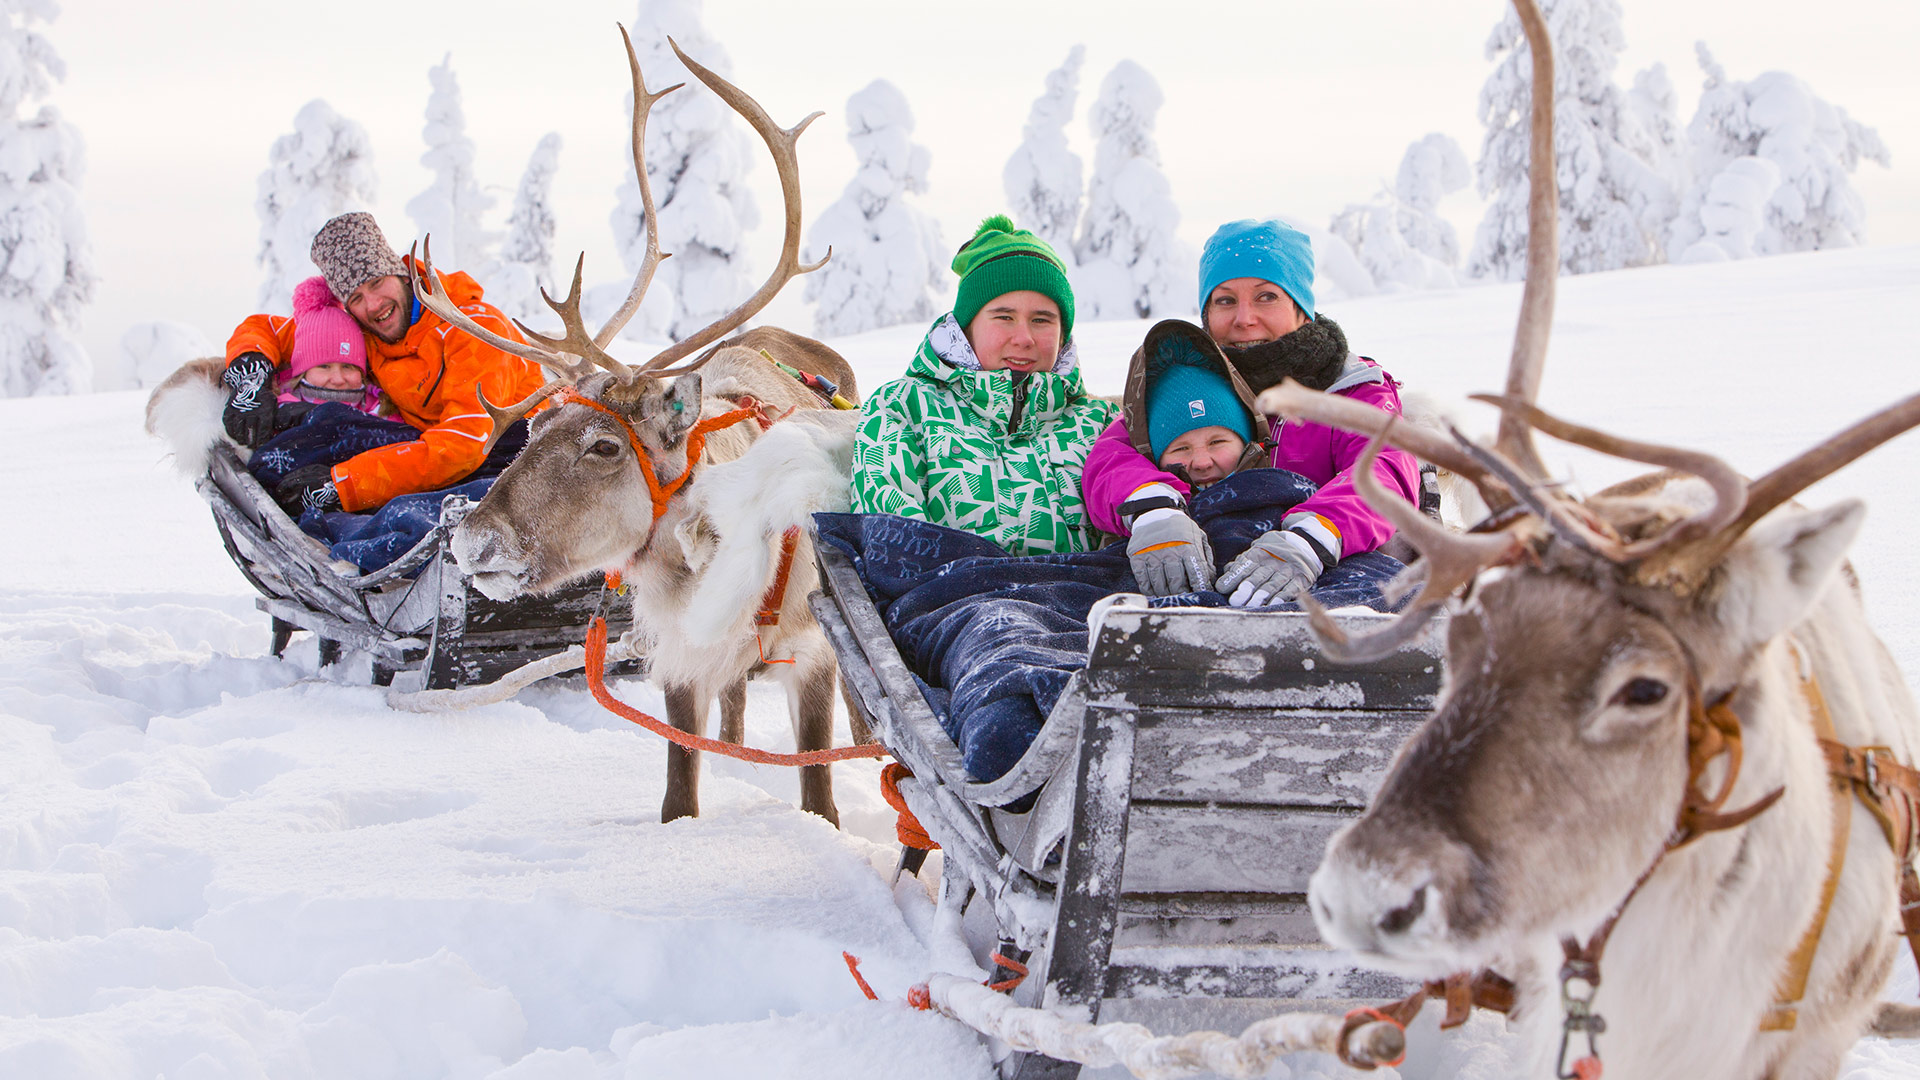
[1187,779]
[419,618]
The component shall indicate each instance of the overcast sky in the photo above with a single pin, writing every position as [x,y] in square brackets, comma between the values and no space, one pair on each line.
[1272,107]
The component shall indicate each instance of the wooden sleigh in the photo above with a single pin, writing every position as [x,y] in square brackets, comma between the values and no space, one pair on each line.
[1187,780]
[419,618]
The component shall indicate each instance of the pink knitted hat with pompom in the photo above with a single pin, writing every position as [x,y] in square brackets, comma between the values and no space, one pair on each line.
[323,332]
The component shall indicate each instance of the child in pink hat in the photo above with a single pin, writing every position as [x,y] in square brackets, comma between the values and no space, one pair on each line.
[329,360]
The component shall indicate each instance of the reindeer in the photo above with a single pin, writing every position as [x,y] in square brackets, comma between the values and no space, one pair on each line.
[1649,744]
[606,484]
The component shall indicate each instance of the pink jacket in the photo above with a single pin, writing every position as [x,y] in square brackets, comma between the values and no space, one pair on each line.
[1324,455]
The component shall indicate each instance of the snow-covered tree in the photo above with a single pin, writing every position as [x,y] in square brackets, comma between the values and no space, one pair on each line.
[1131,263]
[697,163]
[1431,169]
[1770,161]
[1043,178]
[48,264]
[888,259]
[1614,202]
[322,170]
[151,351]
[449,210]
[526,253]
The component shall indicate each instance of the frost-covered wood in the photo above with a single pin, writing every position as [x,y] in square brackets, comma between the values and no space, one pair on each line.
[526,252]
[324,168]
[46,262]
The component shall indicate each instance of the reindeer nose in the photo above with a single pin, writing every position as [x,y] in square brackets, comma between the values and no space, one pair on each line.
[1400,919]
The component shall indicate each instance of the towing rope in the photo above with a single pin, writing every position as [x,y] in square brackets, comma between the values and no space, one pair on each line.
[907,827]
[596,683]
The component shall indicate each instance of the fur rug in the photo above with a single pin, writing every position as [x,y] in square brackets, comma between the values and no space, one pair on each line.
[184,413]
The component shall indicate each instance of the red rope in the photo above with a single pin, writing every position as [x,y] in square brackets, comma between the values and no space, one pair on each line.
[1019,973]
[906,826]
[596,682]
[853,965]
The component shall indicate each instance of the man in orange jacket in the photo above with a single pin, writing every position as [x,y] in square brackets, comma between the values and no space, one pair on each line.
[432,372]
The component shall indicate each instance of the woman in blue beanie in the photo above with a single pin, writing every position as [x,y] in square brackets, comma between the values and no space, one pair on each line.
[1256,304]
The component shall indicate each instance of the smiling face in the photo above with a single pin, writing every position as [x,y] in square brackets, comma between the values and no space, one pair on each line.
[384,306]
[1208,454]
[1251,311]
[335,376]
[1016,331]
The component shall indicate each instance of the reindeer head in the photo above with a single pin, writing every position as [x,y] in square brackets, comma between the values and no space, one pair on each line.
[615,442]
[1587,645]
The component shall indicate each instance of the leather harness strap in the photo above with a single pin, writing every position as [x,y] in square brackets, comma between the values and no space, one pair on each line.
[1784,1013]
[770,604]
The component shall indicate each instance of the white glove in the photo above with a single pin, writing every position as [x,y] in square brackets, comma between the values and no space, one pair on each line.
[1279,566]
[1169,553]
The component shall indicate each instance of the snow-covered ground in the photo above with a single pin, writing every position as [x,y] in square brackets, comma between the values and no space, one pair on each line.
[214,864]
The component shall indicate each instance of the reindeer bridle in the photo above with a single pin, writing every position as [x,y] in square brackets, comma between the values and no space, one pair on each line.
[661,491]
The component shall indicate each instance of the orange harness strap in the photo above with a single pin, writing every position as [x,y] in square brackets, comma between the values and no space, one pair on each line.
[696,445]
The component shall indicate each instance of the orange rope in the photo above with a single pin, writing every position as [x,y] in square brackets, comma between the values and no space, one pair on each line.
[906,826]
[596,682]
[1019,973]
[853,965]
[696,445]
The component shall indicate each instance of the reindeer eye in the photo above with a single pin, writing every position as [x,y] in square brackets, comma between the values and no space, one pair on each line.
[1641,692]
[605,448]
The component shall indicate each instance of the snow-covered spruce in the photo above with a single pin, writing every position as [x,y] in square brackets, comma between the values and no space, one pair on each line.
[449,210]
[1770,161]
[48,262]
[1131,263]
[1400,237]
[888,260]
[1614,201]
[1043,178]
[323,169]
[697,163]
[151,351]
[526,253]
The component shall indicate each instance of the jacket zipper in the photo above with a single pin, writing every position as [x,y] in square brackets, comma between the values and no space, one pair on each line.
[1019,400]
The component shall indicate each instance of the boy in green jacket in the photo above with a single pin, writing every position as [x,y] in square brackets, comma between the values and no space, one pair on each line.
[990,426]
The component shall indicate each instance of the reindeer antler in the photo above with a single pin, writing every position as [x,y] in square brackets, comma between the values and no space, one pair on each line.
[781,142]
[642,106]
[426,289]
[1449,561]
[1515,440]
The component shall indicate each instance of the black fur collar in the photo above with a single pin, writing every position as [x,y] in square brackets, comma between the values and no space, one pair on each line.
[1313,355]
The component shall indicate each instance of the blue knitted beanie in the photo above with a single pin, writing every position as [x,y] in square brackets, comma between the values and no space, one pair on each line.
[1269,250]
[1184,397]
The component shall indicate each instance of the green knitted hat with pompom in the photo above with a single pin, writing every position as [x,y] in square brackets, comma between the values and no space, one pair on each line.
[1001,259]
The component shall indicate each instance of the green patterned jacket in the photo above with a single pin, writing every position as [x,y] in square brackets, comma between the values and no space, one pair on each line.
[935,445]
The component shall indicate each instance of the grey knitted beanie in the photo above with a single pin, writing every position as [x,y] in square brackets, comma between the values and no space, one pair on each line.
[350,251]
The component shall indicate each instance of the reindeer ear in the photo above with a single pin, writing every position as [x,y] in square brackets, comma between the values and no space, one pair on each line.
[1773,576]
[681,405]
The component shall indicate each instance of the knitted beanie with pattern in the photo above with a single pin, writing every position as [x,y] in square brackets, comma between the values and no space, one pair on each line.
[1001,259]
[350,251]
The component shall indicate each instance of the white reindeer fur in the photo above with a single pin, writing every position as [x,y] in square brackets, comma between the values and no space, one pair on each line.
[184,413]
[739,509]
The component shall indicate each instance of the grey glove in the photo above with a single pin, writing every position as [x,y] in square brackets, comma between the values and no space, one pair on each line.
[1279,566]
[248,416]
[1169,553]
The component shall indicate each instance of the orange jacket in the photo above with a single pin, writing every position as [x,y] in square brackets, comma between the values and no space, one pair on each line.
[430,376]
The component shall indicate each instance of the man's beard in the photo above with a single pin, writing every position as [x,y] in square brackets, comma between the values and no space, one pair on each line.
[405,313]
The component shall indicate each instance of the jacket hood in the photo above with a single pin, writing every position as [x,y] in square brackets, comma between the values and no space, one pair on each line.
[990,395]
[1147,365]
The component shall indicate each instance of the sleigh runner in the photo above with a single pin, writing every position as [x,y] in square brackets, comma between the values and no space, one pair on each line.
[419,618]
[1187,781]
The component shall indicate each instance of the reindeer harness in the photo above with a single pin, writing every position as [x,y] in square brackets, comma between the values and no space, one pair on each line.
[1889,790]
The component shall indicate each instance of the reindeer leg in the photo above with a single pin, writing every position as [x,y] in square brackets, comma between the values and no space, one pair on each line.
[812,704]
[856,715]
[733,713]
[686,710]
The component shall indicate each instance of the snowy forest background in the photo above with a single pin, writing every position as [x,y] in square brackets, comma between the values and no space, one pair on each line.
[1390,132]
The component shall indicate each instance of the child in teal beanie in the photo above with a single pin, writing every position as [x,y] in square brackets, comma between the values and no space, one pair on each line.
[1196,425]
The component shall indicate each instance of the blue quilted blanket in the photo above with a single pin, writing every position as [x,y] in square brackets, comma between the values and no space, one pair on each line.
[994,638]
